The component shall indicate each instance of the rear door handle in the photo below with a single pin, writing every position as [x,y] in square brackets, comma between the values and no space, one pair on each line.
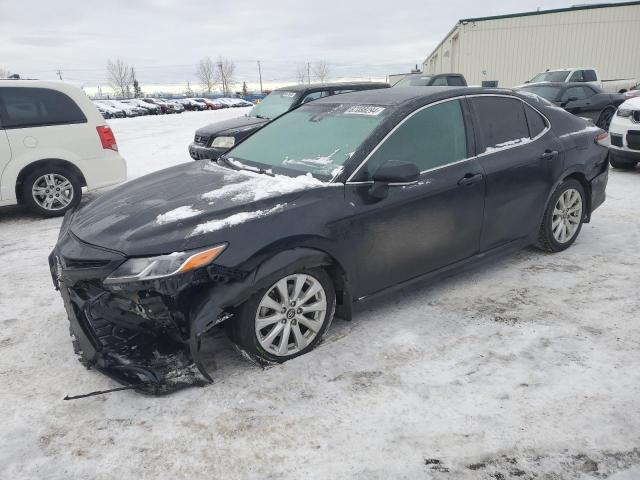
[549,154]
[470,179]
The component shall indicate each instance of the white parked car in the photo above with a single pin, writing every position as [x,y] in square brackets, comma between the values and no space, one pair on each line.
[53,142]
[581,74]
[624,135]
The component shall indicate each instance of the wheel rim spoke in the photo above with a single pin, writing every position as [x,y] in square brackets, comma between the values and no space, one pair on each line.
[566,215]
[52,191]
[287,326]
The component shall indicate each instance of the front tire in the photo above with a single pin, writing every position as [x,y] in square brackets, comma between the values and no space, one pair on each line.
[622,165]
[287,319]
[563,217]
[604,120]
[51,191]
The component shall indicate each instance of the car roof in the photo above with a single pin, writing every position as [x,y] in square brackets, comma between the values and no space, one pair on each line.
[314,86]
[402,95]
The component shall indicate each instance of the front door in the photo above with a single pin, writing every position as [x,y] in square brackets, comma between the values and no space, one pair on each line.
[421,227]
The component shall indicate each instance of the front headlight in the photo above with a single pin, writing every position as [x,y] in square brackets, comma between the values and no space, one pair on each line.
[224,142]
[151,268]
[623,112]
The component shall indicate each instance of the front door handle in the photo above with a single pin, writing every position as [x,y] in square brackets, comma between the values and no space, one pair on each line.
[549,154]
[470,179]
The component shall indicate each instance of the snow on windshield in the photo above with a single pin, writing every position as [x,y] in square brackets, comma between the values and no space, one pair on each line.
[247,186]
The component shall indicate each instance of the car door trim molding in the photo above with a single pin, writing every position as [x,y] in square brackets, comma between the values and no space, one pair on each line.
[485,153]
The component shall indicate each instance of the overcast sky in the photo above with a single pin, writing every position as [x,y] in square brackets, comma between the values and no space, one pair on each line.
[164,39]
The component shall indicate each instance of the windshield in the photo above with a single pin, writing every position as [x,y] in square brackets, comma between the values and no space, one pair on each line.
[274,104]
[545,91]
[414,81]
[559,76]
[317,139]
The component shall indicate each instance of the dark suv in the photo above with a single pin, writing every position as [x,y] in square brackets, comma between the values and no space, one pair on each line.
[215,139]
[435,80]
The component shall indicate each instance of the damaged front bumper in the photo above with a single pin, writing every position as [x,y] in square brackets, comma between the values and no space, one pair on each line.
[141,335]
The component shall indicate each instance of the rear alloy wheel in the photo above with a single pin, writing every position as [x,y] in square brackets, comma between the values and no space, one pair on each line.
[604,121]
[51,191]
[288,318]
[563,217]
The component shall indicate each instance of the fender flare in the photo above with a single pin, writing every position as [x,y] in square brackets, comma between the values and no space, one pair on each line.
[566,173]
[209,304]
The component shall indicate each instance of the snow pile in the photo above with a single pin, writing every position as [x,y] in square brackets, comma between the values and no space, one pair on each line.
[259,186]
[235,219]
[177,214]
[510,143]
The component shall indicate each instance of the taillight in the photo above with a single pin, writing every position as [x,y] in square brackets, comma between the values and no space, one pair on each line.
[107,138]
[601,138]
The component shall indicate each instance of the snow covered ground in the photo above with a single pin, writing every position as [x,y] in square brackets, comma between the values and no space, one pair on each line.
[526,368]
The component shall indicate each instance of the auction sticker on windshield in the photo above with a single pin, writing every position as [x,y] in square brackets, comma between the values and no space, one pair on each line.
[370,110]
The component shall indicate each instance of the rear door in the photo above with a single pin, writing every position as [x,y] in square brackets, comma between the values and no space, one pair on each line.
[425,226]
[45,123]
[520,158]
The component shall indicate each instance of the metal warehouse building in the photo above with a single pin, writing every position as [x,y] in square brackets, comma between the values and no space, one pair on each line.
[511,49]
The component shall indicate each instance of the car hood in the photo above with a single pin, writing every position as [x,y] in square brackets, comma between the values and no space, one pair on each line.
[633,103]
[185,207]
[232,125]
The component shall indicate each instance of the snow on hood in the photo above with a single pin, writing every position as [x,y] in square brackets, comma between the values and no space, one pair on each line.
[235,219]
[176,214]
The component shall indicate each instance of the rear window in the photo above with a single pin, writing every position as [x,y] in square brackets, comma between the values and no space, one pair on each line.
[32,107]
[536,123]
[502,121]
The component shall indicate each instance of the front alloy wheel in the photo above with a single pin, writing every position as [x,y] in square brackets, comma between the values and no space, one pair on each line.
[287,319]
[291,314]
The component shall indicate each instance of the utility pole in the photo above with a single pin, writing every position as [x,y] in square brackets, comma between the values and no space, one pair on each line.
[308,73]
[260,74]
[224,83]
[59,72]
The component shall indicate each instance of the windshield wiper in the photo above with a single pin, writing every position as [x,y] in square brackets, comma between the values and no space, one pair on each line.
[235,165]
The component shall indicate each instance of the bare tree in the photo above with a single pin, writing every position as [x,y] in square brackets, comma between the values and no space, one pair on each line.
[321,71]
[225,70]
[119,76]
[4,73]
[301,73]
[206,74]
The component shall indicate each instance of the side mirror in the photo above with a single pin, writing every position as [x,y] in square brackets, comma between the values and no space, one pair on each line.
[392,172]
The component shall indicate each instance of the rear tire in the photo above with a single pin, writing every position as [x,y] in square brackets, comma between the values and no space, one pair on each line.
[272,328]
[563,217]
[51,191]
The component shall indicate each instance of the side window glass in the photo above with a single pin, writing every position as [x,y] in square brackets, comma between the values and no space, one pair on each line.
[454,81]
[433,137]
[536,122]
[588,92]
[590,76]
[440,82]
[577,76]
[574,92]
[338,92]
[31,107]
[315,96]
[502,121]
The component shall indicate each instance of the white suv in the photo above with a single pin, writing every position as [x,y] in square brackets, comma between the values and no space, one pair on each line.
[624,135]
[53,142]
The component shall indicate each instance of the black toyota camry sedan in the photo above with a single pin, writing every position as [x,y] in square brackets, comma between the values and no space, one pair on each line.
[333,202]
[583,100]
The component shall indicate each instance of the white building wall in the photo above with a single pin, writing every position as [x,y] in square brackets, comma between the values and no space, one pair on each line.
[512,50]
